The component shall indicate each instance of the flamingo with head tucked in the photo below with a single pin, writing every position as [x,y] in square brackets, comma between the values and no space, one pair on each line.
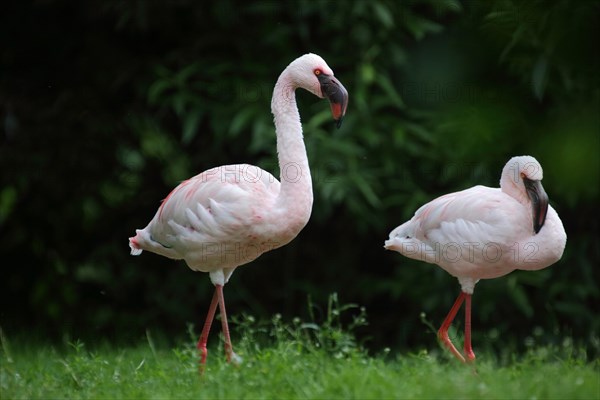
[228,216]
[483,233]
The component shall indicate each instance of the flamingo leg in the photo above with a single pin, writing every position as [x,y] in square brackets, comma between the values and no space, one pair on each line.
[443,331]
[229,354]
[201,346]
[470,355]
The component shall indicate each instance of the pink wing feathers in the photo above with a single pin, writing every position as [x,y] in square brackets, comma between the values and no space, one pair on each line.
[208,219]
[463,231]
[480,214]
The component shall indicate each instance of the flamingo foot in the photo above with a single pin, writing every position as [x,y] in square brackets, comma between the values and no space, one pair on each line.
[443,332]
[470,355]
[234,359]
[201,346]
[203,354]
[445,339]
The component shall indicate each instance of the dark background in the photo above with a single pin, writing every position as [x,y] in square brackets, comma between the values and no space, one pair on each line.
[107,105]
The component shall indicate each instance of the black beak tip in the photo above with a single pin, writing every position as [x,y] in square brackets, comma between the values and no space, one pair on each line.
[338,123]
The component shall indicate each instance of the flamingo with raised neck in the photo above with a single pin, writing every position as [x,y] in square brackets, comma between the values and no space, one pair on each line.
[228,216]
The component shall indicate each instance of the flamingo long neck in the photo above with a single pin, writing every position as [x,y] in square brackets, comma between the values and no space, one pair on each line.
[296,184]
[512,184]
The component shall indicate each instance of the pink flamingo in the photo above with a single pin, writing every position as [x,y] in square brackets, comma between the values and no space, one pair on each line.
[228,216]
[483,233]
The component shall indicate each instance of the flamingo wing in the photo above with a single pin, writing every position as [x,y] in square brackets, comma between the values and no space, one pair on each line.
[221,208]
[479,214]
[474,218]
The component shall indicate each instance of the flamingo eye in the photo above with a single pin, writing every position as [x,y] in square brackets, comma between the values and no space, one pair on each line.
[318,72]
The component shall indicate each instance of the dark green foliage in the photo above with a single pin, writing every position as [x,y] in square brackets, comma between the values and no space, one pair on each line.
[106,106]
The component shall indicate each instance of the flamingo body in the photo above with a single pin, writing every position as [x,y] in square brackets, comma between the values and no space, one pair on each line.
[483,233]
[222,218]
[479,233]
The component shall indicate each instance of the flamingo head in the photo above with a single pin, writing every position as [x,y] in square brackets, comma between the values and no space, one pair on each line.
[312,73]
[525,173]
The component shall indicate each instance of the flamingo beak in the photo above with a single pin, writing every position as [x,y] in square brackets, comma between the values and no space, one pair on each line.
[539,202]
[337,95]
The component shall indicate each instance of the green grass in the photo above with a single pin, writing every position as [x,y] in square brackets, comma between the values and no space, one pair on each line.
[282,371]
[287,361]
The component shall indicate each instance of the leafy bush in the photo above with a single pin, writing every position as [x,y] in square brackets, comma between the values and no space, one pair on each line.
[106,108]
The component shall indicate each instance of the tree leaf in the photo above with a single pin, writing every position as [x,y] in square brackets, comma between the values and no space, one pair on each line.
[516,36]
[241,120]
[157,89]
[388,87]
[190,126]
[8,199]
[539,77]
[383,14]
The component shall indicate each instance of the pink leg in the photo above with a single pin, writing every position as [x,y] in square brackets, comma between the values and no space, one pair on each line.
[443,331]
[229,354]
[206,330]
[468,349]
